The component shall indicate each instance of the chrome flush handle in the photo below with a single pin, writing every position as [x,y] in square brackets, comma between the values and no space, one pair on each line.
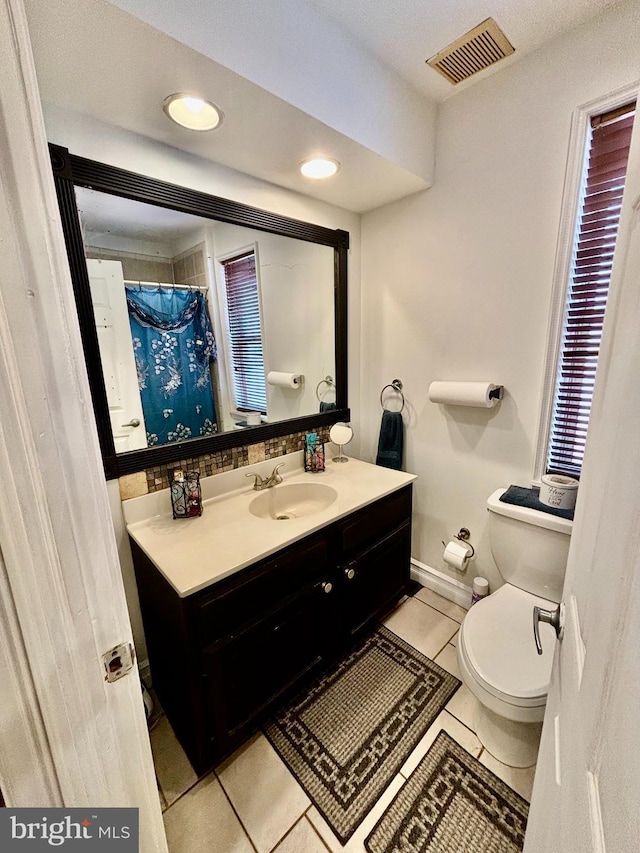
[555,618]
[134,422]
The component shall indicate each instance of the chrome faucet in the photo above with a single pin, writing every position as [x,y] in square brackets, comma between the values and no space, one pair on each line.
[266,482]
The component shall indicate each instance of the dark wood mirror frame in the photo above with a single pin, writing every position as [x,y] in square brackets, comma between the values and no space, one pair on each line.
[70,171]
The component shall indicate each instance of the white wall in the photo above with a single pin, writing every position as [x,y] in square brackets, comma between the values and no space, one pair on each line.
[109,144]
[457,280]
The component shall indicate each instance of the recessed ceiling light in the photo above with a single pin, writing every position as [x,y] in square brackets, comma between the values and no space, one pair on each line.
[192,112]
[319,167]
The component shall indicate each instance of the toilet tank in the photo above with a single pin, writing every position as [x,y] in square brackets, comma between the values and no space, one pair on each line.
[530,547]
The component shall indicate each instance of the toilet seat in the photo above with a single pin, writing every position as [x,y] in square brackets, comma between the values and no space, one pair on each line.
[497,645]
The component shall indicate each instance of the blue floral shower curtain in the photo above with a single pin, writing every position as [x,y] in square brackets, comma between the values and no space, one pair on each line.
[173,343]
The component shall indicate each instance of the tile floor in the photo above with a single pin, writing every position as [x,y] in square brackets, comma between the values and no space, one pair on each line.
[252,804]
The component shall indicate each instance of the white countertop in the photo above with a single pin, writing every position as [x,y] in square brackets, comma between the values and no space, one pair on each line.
[193,553]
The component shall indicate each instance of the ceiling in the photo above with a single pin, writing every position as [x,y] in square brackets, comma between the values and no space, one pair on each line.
[403,34]
[96,59]
[108,219]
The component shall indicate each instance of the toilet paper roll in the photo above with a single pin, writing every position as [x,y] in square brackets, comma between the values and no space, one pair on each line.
[463,393]
[457,554]
[284,380]
[558,491]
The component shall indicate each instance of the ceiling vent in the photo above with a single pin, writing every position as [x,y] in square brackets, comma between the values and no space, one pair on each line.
[476,50]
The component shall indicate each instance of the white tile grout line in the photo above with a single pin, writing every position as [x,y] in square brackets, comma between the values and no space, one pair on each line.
[311,823]
[233,808]
[227,797]
[189,789]
[441,612]
[302,817]
[288,832]
[431,607]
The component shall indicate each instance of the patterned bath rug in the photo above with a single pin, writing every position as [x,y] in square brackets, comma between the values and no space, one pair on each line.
[346,736]
[451,804]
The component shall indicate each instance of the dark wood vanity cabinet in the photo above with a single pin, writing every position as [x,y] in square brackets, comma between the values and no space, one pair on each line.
[282,614]
[223,657]
[375,547]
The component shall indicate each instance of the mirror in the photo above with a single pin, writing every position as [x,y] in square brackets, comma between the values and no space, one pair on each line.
[206,324]
[162,281]
[340,434]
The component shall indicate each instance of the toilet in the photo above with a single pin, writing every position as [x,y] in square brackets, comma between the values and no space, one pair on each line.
[496,651]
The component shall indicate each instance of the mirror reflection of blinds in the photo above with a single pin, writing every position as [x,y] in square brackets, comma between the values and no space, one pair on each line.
[245,333]
[588,289]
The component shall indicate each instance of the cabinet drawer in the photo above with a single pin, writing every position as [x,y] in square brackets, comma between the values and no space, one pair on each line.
[374,522]
[257,590]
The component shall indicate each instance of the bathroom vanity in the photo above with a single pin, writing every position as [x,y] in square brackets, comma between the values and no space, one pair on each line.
[229,634]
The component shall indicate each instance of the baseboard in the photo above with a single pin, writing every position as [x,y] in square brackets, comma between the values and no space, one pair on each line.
[445,586]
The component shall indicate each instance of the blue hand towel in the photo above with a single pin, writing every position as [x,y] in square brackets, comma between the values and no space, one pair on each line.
[521,496]
[327,407]
[390,441]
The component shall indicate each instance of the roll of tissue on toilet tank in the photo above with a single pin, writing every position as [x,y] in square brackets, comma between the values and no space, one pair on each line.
[480,590]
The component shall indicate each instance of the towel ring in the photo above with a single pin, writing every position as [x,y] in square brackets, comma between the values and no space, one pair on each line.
[328,381]
[396,386]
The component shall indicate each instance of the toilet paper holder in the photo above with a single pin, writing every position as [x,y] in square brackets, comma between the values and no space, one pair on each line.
[464,534]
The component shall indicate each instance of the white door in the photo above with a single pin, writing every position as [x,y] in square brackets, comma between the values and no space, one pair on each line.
[67,736]
[586,795]
[116,352]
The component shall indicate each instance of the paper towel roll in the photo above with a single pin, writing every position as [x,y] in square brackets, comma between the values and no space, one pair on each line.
[457,554]
[284,380]
[463,393]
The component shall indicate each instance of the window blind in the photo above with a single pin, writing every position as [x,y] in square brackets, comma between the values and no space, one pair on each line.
[588,287]
[245,333]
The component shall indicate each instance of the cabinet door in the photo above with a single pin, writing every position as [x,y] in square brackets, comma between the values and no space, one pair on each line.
[376,579]
[246,673]
[258,590]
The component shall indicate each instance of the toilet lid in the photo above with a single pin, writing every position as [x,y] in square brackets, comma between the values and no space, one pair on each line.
[498,641]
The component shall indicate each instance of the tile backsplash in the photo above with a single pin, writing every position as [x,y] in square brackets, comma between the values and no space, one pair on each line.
[157,478]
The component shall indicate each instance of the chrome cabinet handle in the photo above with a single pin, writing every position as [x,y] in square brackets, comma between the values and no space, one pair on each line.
[327,586]
[555,618]
[350,574]
[134,422]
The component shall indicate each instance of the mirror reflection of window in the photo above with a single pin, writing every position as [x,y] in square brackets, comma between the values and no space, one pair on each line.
[244,333]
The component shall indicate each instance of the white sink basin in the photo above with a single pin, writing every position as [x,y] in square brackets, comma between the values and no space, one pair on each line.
[293,500]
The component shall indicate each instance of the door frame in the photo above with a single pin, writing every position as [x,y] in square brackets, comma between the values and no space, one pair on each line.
[68,737]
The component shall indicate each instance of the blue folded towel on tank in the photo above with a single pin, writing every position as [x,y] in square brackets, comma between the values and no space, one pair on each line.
[520,496]
[390,441]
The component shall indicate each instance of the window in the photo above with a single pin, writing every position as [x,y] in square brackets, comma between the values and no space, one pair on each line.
[246,359]
[604,173]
